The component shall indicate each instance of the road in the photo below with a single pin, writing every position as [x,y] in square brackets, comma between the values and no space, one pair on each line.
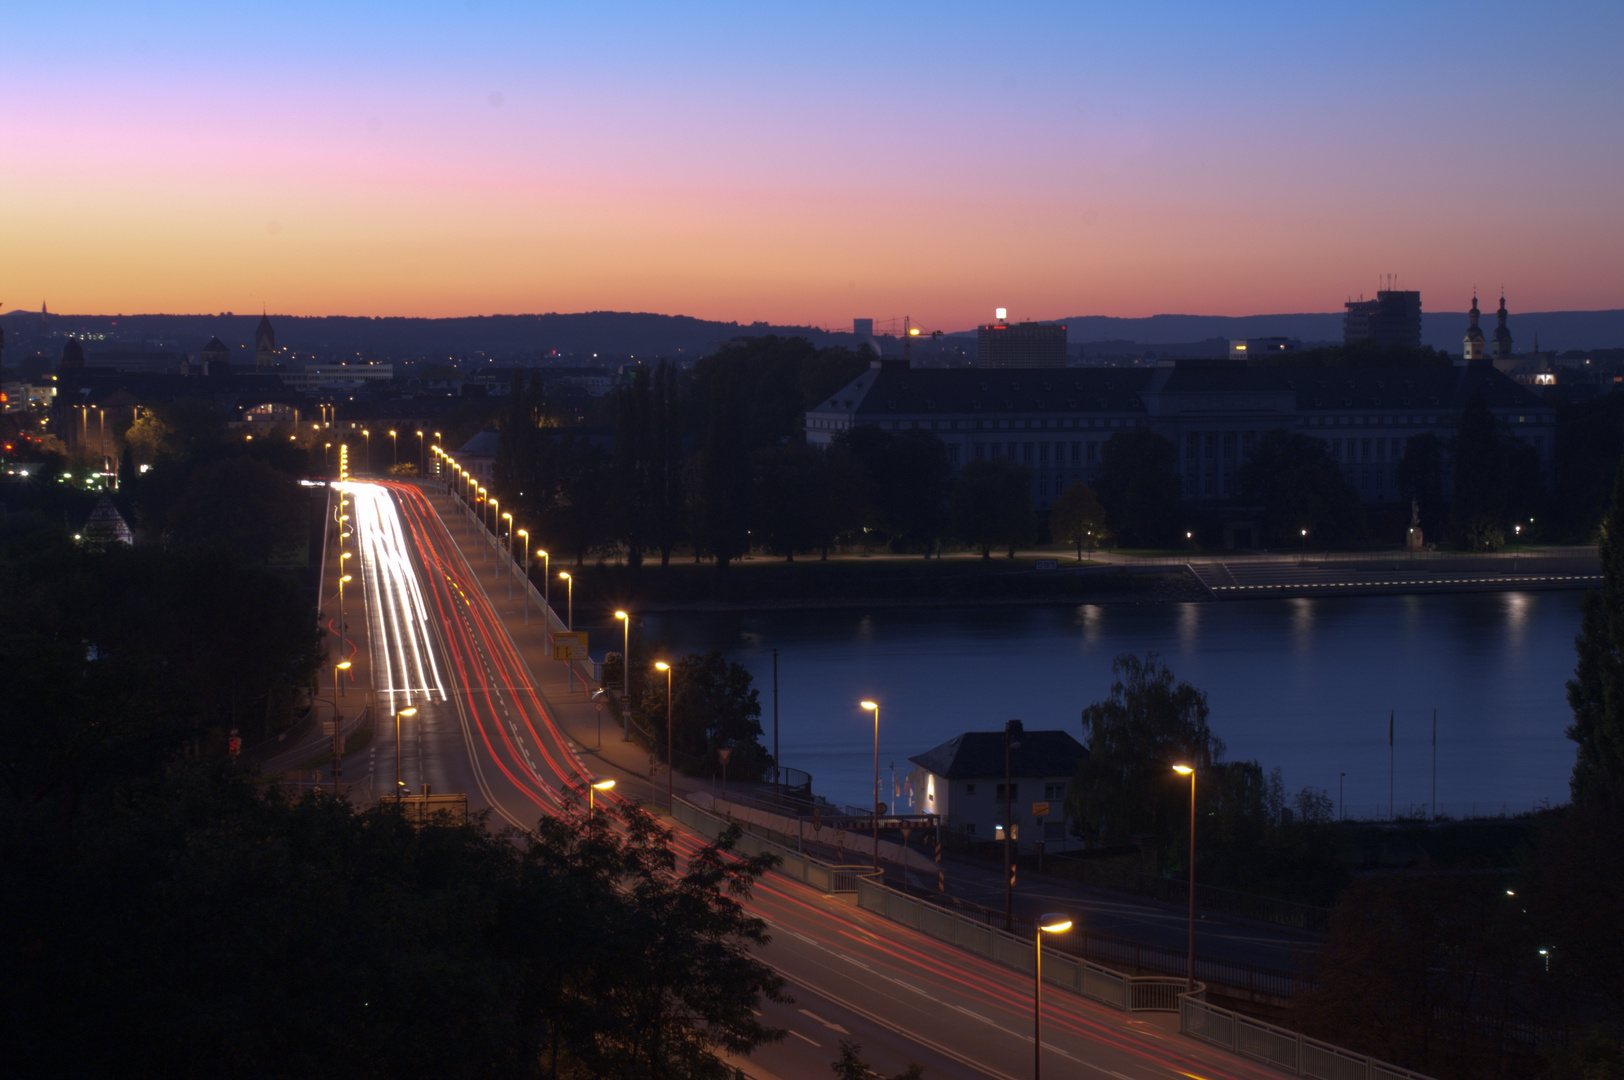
[487,726]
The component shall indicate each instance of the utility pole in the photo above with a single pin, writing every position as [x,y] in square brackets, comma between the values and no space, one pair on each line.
[776,781]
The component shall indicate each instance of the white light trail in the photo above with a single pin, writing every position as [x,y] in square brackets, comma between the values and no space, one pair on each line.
[402,651]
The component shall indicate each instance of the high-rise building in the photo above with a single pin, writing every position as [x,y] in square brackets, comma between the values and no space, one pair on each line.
[1393,318]
[1021,345]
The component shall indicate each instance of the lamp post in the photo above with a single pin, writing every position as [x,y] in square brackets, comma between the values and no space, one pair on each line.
[569,609]
[526,534]
[422,458]
[1189,976]
[599,783]
[367,436]
[479,501]
[874,803]
[512,563]
[1051,923]
[342,665]
[626,676]
[496,531]
[338,728]
[1013,730]
[546,586]
[394,447]
[670,763]
[399,713]
[342,578]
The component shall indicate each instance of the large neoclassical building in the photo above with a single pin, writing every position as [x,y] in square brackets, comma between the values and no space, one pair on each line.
[1055,420]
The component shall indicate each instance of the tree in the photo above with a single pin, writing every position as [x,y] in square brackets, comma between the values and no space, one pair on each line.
[786,504]
[1126,785]
[634,464]
[906,483]
[851,1066]
[1140,488]
[1077,518]
[1299,487]
[242,505]
[712,706]
[1420,478]
[1478,504]
[1596,691]
[992,504]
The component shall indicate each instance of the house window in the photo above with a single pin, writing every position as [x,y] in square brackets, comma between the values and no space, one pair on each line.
[969,789]
[1043,453]
[1093,452]
[1229,446]
[1043,487]
[1076,453]
[1026,454]
[1051,792]
[970,828]
[981,451]
[953,456]
[1014,791]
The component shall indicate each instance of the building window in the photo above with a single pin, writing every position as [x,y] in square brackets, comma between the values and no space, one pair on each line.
[953,455]
[1191,443]
[1364,450]
[1026,454]
[1052,792]
[1208,488]
[1076,453]
[1212,445]
[1043,453]
[969,789]
[1014,791]
[970,828]
[981,451]
[1336,449]
[1093,452]
[1364,479]
[1043,488]
[1229,446]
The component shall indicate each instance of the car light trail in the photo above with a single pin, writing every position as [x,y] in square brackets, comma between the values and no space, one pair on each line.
[403,656]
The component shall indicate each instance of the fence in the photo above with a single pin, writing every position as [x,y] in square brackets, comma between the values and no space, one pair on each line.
[1289,1050]
[1234,976]
[1130,993]
[818,875]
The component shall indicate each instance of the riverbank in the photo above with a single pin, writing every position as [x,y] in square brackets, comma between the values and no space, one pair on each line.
[777,585]
[1043,578]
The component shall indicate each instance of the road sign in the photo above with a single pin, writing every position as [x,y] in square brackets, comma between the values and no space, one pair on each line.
[1040,809]
[570,645]
[1046,564]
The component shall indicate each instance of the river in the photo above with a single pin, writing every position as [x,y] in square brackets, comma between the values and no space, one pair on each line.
[1305,685]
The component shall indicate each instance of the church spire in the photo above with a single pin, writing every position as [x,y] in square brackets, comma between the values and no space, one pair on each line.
[1472,348]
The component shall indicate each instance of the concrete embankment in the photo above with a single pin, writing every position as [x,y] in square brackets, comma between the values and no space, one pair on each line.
[1396,573]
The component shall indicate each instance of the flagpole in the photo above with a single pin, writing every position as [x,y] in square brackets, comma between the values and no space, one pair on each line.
[1435,763]
[1391,764]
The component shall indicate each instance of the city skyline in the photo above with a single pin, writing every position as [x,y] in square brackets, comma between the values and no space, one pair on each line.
[806,168]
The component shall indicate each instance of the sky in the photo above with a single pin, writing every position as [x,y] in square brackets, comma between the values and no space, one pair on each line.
[808,163]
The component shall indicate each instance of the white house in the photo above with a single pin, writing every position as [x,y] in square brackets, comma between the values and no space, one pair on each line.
[963,781]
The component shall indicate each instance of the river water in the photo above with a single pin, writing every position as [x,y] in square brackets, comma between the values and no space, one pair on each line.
[1305,685]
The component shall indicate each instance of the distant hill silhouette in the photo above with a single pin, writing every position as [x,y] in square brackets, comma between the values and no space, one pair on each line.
[618,334]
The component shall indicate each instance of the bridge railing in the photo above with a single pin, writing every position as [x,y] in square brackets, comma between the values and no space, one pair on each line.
[1283,1048]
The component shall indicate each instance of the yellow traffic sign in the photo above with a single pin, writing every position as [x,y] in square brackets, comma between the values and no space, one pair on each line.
[1040,809]
[570,645]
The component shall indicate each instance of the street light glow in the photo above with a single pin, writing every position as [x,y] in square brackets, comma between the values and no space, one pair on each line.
[661,665]
[1054,923]
[1183,770]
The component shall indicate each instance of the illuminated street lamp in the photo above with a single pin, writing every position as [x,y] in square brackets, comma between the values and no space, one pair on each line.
[407,712]
[626,675]
[599,783]
[670,762]
[874,803]
[513,564]
[546,585]
[367,435]
[394,447]
[526,534]
[342,665]
[569,583]
[422,461]
[1189,976]
[1051,923]
[342,578]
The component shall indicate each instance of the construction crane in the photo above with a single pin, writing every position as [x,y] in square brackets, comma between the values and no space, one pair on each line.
[910,334]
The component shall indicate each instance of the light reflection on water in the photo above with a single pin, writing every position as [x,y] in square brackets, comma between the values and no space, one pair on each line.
[1303,684]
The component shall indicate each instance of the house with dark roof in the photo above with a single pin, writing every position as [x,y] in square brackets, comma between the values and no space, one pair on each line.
[963,781]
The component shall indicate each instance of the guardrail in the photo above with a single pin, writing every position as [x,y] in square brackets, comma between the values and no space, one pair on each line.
[1292,1051]
[1130,993]
[818,875]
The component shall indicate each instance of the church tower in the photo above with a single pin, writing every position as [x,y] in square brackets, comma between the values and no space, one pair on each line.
[265,346]
[1502,335]
[1474,345]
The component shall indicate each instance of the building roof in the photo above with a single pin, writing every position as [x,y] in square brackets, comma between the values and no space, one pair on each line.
[482,445]
[215,345]
[977,755]
[1139,391]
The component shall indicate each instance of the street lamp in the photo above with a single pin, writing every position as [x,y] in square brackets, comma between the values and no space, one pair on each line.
[399,713]
[546,586]
[569,610]
[526,534]
[1189,977]
[874,803]
[1013,730]
[422,459]
[394,447]
[338,729]
[367,435]
[513,563]
[626,674]
[1051,923]
[670,762]
[342,578]
[342,665]
[599,783]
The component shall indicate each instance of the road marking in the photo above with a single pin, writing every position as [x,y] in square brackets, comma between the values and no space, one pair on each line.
[1118,1075]
[821,1020]
[803,1038]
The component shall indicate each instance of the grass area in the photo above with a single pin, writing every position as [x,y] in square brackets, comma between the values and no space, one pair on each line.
[855,577]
